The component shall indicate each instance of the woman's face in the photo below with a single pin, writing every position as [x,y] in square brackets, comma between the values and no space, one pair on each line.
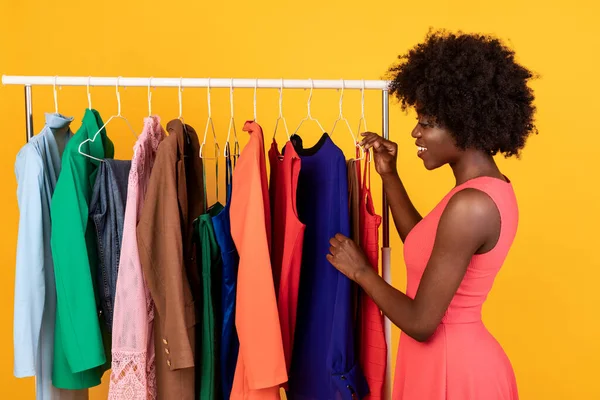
[435,144]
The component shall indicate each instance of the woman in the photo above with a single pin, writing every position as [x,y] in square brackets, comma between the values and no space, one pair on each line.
[472,102]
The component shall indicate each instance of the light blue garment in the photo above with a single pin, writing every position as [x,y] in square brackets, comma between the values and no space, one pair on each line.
[37,168]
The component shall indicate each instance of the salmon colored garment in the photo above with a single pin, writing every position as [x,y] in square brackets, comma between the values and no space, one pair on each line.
[462,360]
[288,236]
[373,349]
[261,362]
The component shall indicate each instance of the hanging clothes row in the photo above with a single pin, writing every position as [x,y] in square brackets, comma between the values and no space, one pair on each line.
[181,299]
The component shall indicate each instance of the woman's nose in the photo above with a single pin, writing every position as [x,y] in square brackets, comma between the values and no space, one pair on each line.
[416,132]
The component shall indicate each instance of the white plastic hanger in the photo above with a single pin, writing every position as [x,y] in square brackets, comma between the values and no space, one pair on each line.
[55,96]
[149,97]
[236,146]
[118,115]
[309,115]
[89,95]
[280,117]
[342,118]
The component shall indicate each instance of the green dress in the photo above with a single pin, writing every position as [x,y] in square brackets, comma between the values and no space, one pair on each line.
[81,345]
[210,265]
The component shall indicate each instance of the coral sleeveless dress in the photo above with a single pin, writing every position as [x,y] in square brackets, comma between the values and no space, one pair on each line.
[462,360]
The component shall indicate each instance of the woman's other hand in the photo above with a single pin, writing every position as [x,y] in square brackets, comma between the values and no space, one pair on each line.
[347,257]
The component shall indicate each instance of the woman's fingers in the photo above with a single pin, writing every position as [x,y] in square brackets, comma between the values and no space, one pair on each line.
[334,242]
[340,238]
[368,136]
[376,144]
[369,140]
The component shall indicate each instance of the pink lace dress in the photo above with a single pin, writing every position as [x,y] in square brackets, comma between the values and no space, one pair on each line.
[133,373]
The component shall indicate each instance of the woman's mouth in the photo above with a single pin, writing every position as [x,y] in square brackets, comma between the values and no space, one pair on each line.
[421,150]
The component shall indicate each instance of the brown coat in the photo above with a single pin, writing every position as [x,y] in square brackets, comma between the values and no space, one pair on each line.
[173,200]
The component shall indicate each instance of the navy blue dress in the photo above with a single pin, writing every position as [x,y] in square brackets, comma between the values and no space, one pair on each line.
[324,362]
[229,344]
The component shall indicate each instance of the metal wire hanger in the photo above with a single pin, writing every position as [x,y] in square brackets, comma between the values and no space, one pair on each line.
[280,117]
[362,120]
[180,117]
[255,89]
[117,115]
[149,97]
[209,123]
[236,145]
[309,115]
[55,95]
[342,118]
[89,94]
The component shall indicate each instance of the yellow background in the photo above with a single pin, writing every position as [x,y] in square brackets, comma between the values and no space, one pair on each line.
[543,308]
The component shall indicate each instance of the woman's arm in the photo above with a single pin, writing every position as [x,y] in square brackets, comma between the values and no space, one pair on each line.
[469,221]
[404,213]
[385,155]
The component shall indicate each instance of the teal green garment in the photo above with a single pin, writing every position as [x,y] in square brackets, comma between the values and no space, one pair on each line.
[210,265]
[81,347]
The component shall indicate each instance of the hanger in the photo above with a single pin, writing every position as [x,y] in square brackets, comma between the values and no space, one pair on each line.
[89,95]
[180,117]
[180,98]
[362,108]
[362,120]
[236,146]
[55,95]
[149,97]
[255,88]
[309,115]
[342,118]
[280,117]
[118,115]
[209,122]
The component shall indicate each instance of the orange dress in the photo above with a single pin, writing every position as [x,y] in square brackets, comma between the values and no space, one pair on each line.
[261,366]
[462,360]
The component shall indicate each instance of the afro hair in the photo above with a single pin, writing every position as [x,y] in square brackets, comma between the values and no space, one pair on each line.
[471,85]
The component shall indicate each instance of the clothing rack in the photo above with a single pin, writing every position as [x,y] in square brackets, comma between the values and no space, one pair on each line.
[29,81]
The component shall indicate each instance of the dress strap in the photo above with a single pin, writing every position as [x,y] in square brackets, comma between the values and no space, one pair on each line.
[229,176]
[366,183]
[217,171]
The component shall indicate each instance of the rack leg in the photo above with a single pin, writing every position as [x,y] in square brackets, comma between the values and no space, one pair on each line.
[28,112]
[386,135]
[386,253]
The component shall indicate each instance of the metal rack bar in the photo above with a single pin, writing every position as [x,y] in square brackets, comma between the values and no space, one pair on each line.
[193,82]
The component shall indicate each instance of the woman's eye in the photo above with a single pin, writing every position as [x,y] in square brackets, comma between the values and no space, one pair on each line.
[424,124]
